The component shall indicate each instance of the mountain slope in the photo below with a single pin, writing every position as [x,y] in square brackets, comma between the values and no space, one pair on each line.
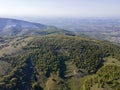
[45,61]
[13,27]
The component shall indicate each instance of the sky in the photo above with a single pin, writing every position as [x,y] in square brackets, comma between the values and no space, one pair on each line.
[60,8]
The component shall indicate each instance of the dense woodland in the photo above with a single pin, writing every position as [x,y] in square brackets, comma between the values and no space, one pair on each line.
[43,61]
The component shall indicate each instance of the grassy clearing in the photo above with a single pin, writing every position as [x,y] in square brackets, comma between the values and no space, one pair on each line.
[110,60]
[71,69]
[75,83]
[54,83]
[4,67]
[95,87]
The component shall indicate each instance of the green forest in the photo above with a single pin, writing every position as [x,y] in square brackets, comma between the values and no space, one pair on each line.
[62,62]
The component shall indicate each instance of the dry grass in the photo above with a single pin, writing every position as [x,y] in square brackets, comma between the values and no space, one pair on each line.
[4,68]
[110,60]
[13,46]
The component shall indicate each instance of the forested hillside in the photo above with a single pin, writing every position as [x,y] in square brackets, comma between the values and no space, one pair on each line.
[62,62]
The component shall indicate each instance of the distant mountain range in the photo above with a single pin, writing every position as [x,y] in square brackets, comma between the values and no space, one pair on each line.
[13,27]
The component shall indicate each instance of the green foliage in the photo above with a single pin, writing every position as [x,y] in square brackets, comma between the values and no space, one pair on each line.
[46,55]
[107,75]
[85,53]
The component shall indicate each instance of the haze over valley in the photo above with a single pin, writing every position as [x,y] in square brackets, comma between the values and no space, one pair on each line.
[99,28]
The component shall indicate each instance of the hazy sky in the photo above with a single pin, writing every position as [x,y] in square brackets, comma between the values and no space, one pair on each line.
[60,8]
